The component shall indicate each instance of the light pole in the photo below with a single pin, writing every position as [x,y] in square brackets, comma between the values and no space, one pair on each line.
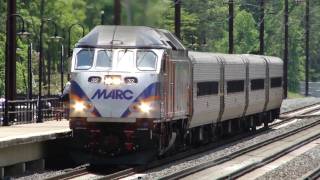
[307,33]
[69,35]
[261,26]
[231,17]
[102,17]
[286,48]
[10,53]
[61,67]
[177,18]
[30,70]
[117,12]
[40,117]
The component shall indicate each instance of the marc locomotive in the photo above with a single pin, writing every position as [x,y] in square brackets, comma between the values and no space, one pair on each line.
[136,92]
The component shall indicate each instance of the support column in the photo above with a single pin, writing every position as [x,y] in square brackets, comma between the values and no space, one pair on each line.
[35,166]
[14,170]
[1,172]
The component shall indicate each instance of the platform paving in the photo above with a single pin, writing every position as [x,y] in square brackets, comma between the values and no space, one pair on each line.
[31,133]
[25,147]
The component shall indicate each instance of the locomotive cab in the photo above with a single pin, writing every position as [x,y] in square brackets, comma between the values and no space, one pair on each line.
[124,83]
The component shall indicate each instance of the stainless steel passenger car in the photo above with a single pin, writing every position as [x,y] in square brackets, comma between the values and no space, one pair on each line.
[136,91]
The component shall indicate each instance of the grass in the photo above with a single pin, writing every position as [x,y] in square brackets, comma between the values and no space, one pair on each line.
[294,95]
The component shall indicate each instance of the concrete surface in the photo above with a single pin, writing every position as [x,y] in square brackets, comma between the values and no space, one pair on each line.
[31,133]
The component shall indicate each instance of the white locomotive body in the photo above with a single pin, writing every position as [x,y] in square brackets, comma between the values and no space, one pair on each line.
[137,90]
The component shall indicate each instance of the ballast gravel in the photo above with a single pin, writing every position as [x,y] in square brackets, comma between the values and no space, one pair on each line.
[296,168]
[292,104]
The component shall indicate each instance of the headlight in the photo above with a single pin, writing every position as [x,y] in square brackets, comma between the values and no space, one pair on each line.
[79,106]
[112,80]
[108,80]
[145,108]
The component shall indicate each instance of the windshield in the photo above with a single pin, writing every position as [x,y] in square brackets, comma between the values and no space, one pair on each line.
[125,60]
[146,60]
[104,59]
[84,59]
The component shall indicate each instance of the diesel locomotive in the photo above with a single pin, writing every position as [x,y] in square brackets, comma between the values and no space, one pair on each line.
[138,93]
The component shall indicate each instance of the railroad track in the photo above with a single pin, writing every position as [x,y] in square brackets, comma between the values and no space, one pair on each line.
[140,169]
[314,174]
[303,112]
[300,111]
[246,169]
[71,174]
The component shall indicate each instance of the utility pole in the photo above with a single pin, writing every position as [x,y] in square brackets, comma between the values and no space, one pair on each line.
[231,16]
[177,18]
[10,71]
[39,113]
[261,27]
[61,67]
[307,33]
[49,68]
[286,44]
[117,12]
[30,70]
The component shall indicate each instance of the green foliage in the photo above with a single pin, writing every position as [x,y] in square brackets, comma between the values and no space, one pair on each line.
[204,28]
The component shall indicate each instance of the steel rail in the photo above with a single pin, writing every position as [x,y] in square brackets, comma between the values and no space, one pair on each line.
[231,156]
[302,115]
[71,174]
[122,173]
[269,159]
[311,175]
[299,109]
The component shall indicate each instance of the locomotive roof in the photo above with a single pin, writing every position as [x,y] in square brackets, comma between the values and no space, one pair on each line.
[130,37]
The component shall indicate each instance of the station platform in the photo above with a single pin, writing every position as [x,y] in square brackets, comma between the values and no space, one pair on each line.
[31,133]
[25,147]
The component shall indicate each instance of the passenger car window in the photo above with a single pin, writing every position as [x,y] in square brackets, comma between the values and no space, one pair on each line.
[84,59]
[235,86]
[104,59]
[207,88]
[257,84]
[276,82]
[146,60]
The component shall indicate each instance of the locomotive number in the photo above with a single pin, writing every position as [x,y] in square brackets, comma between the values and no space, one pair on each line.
[94,79]
[131,80]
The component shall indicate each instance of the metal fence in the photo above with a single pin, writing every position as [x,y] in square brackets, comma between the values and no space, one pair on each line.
[25,111]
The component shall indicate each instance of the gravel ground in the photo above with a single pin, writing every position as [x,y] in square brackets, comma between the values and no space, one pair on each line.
[46,174]
[287,105]
[291,104]
[297,167]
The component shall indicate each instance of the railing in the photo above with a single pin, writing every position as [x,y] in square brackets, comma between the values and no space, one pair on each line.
[25,111]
